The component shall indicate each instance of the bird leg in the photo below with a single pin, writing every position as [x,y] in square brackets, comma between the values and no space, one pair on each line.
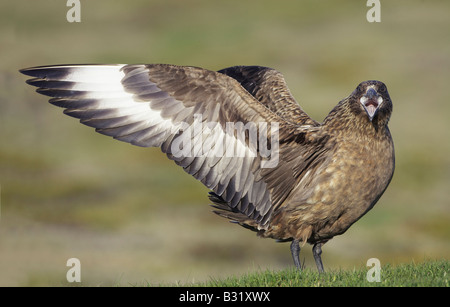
[295,251]
[317,252]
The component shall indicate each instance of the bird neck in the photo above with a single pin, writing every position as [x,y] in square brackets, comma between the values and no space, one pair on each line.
[347,121]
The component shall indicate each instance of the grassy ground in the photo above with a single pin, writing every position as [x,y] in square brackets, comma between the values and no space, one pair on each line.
[426,274]
[131,215]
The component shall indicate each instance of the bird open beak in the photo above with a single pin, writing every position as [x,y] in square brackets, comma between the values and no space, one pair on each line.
[371,102]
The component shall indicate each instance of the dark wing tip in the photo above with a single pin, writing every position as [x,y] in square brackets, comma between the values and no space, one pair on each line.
[34,82]
[30,71]
[52,92]
[46,72]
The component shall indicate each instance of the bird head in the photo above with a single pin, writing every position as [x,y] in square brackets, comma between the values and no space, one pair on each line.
[373,98]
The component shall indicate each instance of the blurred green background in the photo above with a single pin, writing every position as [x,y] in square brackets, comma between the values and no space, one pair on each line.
[133,217]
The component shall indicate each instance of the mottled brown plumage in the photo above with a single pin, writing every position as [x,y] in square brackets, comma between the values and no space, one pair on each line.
[326,176]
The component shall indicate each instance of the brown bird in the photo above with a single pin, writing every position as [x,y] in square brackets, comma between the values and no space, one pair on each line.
[271,168]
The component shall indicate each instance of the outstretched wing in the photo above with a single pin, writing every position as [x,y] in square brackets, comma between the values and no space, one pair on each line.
[188,112]
[268,86]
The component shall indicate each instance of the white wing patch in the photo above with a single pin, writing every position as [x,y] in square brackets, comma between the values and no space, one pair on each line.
[95,95]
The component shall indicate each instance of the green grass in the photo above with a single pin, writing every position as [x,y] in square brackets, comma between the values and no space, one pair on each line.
[426,274]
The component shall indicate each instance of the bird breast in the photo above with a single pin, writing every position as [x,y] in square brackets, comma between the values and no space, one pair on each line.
[334,195]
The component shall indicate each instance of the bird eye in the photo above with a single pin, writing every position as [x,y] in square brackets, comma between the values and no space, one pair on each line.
[382,88]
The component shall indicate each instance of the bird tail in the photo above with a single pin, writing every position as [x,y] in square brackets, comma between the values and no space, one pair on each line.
[224,210]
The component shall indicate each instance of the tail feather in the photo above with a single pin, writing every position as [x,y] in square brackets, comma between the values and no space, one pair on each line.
[225,210]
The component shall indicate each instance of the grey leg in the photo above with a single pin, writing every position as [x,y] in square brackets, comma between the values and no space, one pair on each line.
[317,251]
[295,251]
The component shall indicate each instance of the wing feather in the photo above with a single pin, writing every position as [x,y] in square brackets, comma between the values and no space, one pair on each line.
[268,86]
[167,106]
